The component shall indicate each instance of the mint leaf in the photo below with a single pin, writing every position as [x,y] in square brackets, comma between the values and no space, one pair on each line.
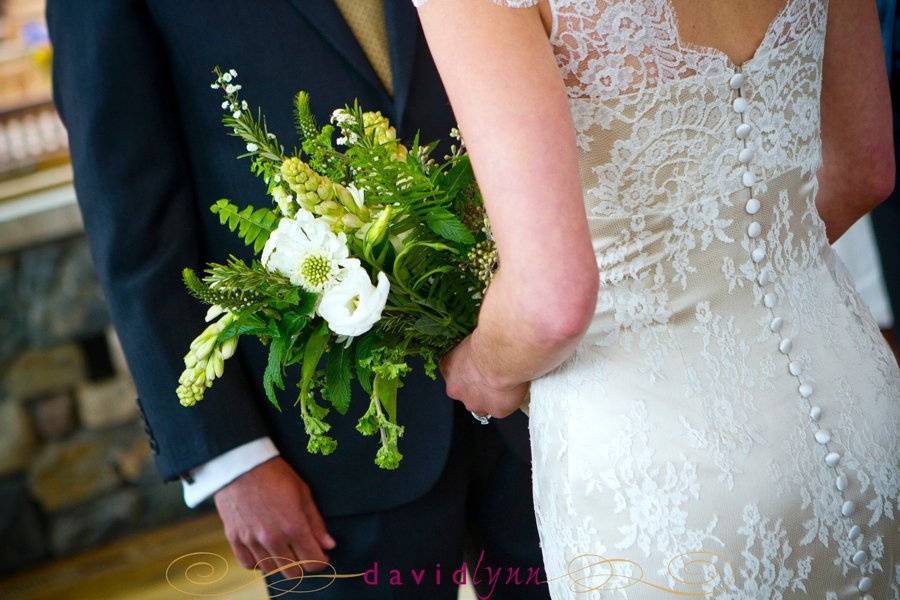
[337,378]
[448,226]
[272,376]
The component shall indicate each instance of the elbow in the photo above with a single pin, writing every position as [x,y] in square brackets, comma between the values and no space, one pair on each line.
[875,180]
[882,181]
[566,312]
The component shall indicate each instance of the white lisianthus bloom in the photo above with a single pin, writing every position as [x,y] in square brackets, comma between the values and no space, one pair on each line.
[358,195]
[306,251]
[354,305]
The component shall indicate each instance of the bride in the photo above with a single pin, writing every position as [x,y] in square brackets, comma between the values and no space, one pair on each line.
[713,410]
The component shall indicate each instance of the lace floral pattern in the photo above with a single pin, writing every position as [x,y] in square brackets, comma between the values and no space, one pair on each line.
[728,427]
[683,426]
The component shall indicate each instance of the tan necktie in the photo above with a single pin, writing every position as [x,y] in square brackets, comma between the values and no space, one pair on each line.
[366,21]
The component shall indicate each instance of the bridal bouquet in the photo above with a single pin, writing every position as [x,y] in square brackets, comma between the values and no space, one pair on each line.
[371,254]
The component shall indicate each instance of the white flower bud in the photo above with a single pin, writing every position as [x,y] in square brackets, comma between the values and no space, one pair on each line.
[218,363]
[228,347]
[202,351]
[214,311]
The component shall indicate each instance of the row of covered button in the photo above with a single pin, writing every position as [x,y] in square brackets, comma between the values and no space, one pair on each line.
[822,436]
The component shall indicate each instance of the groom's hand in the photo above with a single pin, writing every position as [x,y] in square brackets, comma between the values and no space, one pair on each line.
[269,512]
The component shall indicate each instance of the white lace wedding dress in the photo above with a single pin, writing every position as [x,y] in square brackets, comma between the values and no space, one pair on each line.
[729,427]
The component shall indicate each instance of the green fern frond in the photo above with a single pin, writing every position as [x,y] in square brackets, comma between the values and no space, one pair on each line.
[253,225]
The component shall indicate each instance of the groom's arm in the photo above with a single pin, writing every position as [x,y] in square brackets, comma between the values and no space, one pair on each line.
[134,186]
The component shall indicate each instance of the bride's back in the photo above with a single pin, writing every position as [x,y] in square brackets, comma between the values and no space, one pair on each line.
[736,27]
[699,128]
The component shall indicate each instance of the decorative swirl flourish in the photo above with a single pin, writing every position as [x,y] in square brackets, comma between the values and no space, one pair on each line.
[191,574]
[696,571]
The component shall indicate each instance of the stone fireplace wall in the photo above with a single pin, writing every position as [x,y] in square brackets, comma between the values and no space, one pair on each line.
[75,465]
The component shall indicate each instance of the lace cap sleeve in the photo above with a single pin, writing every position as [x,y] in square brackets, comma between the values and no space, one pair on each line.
[506,3]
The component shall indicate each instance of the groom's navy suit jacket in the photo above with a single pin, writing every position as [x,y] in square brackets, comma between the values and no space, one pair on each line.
[132,83]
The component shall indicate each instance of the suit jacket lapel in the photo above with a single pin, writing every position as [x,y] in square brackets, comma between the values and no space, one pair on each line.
[325,16]
[403,30]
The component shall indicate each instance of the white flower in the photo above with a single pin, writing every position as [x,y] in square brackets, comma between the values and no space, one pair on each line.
[306,251]
[354,305]
[341,116]
[283,200]
[358,195]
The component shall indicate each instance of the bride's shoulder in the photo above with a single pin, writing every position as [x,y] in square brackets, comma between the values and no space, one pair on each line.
[506,3]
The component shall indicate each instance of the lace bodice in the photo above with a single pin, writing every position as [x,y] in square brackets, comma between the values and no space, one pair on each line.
[729,353]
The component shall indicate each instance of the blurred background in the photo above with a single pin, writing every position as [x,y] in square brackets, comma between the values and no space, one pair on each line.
[83,513]
[76,472]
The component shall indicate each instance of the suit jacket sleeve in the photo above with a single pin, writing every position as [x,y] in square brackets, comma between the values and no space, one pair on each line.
[134,187]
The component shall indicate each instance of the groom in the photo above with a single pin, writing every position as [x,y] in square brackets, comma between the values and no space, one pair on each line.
[131,80]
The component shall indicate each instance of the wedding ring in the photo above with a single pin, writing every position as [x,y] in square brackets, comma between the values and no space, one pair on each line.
[483,419]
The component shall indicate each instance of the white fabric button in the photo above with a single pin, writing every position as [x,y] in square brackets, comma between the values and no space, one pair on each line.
[742,131]
[736,81]
[748,179]
[847,508]
[841,482]
[752,206]
[823,437]
[815,413]
[854,533]
[865,584]
[859,557]
[758,254]
[763,278]
[770,300]
[805,390]
[740,105]
[785,345]
[775,324]
[794,369]
[746,155]
[754,229]
[832,459]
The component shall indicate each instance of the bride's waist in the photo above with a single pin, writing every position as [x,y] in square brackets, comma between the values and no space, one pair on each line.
[657,266]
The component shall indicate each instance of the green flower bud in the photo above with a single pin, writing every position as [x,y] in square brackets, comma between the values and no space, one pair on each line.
[218,362]
[378,230]
[325,191]
[329,208]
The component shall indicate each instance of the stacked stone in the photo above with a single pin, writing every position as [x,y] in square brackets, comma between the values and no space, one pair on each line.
[76,468]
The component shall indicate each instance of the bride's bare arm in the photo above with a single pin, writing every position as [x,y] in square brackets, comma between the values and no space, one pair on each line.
[508,97]
[857,137]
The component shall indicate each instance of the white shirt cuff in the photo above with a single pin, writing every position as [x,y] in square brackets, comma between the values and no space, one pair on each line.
[210,477]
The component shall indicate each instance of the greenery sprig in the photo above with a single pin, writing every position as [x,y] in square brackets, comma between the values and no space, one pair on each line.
[403,214]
